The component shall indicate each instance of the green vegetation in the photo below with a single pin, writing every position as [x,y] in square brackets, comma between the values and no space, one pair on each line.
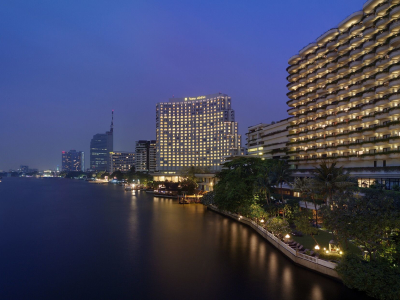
[372,222]
[364,226]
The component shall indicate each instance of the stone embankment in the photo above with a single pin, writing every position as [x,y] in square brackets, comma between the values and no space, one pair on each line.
[310,262]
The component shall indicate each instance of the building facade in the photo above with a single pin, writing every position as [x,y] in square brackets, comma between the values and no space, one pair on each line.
[268,141]
[100,147]
[145,156]
[195,131]
[121,161]
[344,96]
[73,161]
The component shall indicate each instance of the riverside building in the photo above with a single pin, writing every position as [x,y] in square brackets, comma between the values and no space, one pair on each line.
[268,141]
[344,96]
[121,161]
[73,161]
[195,131]
[145,156]
[100,147]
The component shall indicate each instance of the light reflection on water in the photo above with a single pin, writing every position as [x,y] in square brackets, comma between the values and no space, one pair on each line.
[68,239]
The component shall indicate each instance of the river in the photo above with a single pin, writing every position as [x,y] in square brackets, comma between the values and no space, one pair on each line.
[69,239]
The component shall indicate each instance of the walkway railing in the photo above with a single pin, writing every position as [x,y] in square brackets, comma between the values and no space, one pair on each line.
[286,249]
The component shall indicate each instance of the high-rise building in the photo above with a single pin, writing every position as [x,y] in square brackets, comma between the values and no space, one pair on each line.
[73,161]
[145,156]
[121,161]
[195,131]
[344,96]
[100,147]
[268,140]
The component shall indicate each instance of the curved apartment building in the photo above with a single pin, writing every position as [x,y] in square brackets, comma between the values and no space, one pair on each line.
[345,98]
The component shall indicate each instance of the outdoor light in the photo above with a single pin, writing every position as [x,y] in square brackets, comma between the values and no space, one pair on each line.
[262,221]
[340,252]
[316,247]
[326,251]
[287,236]
[324,248]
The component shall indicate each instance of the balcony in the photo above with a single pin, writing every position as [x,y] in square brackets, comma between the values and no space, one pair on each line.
[294,59]
[369,32]
[395,13]
[382,102]
[368,83]
[381,11]
[355,42]
[382,36]
[355,64]
[369,20]
[308,49]
[382,76]
[394,112]
[382,90]
[343,49]
[381,24]
[331,45]
[369,131]
[382,50]
[395,42]
[367,46]
[394,83]
[342,38]
[330,34]
[355,30]
[343,71]
[356,134]
[350,21]
[395,27]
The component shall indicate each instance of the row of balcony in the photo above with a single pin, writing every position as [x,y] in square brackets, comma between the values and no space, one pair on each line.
[349,145]
[395,154]
[357,133]
[331,39]
[348,106]
[388,68]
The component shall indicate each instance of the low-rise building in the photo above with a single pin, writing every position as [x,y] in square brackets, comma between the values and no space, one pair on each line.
[268,140]
[121,161]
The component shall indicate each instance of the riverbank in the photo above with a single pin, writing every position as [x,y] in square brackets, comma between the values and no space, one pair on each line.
[313,263]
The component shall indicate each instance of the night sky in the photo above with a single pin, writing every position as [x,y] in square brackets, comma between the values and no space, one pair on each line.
[66,64]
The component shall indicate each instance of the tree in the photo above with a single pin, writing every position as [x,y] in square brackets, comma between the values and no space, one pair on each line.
[329,179]
[282,174]
[302,221]
[278,226]
[235,189]
[378,278]
[372,222]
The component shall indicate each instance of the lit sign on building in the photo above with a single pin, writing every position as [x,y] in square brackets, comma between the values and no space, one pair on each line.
[194,98]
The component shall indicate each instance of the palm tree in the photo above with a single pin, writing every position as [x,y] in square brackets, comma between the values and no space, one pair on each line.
[263,184]
[304,186]
[329,179]
[282,174]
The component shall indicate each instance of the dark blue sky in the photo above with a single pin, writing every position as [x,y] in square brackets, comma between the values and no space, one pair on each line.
[66,64]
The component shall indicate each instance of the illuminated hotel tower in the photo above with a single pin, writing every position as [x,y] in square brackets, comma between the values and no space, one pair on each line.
[196,131]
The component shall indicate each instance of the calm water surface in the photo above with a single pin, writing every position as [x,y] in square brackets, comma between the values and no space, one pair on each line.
[67,239]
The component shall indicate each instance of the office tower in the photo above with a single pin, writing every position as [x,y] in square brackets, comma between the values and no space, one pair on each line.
[121,161]
[100,147]
[145,155]
[73,161]
[344,96]
[195,131]
[268,140]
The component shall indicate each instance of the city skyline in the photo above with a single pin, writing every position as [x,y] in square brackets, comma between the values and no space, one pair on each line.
[77,61]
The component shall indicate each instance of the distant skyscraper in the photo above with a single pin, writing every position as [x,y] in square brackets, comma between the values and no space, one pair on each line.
[196,131]
[73,161]
[100,147]
[121,161]
[145,156]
